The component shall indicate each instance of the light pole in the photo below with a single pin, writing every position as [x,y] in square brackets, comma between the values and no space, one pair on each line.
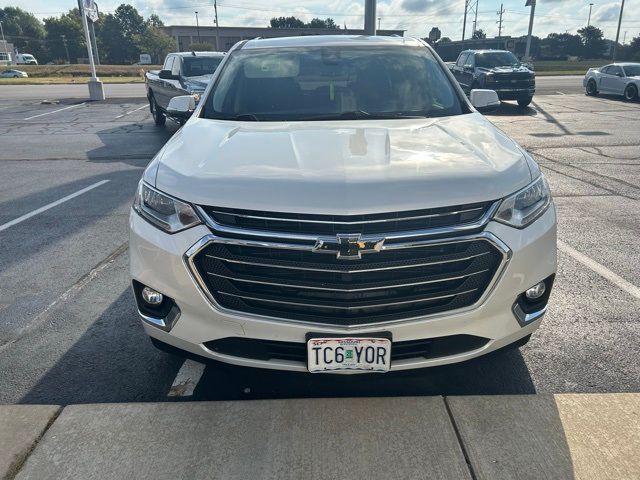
[66,48]
[96,90]
[589,20]
[532,4]
[615,45]
[198,26]
[215,9]
[370,17]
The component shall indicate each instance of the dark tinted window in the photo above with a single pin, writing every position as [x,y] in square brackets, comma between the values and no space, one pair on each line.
[196,66]
[496,59]
[462,59]
[319,83]
[632,70]
[615,70]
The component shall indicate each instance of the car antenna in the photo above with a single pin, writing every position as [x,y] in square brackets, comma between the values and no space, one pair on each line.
[193,53]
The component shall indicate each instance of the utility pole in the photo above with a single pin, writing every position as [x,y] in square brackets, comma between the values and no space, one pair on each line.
[589,20]
[379,18]
[499,22]
[370,17]
[198,26]
[475,20]
[66,48]
[615,45]
[532,4]
[215,9]
[624,38]
[470,7]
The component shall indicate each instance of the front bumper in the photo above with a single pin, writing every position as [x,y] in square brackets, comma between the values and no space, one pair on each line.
[157,260]
[514,93]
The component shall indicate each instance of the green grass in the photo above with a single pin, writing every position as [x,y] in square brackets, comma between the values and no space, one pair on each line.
[49,71]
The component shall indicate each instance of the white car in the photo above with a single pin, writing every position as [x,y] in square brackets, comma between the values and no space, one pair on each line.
[26,59]
[13,74]
[336,204]
[614,79]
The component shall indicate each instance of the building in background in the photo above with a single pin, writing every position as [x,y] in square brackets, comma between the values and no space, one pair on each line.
[185,35]
[7,53]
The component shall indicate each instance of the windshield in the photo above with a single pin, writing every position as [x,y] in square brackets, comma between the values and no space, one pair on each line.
[496,59]
[26,56]
[632,70]
[196,66]
[326,83]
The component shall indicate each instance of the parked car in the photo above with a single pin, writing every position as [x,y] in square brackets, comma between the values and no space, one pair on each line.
[337,203]
[185,73]
[13,74]
[498,70]
[614,79]
[26,59]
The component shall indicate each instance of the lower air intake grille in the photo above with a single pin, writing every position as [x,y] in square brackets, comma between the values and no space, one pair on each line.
[318,288]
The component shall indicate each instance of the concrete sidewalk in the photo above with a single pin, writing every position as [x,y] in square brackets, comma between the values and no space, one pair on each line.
[591,436]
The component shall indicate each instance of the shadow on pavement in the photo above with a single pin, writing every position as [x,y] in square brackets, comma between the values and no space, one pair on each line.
[113,361]
[499,373]
[513,110]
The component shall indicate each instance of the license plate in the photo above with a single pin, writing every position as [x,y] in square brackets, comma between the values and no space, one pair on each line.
[348,353]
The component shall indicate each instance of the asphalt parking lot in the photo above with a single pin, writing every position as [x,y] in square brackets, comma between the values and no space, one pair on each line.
[68,326]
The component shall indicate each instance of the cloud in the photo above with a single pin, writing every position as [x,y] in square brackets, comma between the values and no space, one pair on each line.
[608,12]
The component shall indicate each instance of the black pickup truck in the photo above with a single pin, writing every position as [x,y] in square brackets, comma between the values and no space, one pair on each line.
[184,73]
[498,70]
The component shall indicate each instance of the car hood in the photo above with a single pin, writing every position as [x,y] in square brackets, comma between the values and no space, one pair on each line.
[506,69]
[341,167]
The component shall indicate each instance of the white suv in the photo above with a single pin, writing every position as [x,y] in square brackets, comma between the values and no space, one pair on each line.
[336,204]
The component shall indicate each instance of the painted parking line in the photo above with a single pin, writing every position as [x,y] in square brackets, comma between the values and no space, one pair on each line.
[130,112]
[187,379]
[601,270]
[54,111]
[33,213]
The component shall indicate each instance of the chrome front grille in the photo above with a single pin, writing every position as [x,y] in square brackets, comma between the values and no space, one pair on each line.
[408,274]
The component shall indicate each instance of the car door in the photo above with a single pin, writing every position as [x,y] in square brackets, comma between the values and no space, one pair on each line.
[162,89]
[459,68]
[173,87]
[614,80]
[468,71]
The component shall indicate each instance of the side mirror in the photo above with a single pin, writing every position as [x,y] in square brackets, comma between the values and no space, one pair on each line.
[468,68]
[167,75]
[181,104]
[484,100]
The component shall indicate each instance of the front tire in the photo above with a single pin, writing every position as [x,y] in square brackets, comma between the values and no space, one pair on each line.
[525,102]
[630,93]
[159,118]
[592,88]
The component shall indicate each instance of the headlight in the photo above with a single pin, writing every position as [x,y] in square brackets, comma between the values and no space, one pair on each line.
[165,212]
[524,206]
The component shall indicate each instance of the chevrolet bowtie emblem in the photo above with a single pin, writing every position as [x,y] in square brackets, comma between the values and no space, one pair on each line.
[348,246]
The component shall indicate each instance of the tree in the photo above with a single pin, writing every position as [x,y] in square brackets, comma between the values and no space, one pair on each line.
[593,41]
[25,31]
[286,22]
[444,40]
[293,22]
[157,44]
[117,35]
[562,45]
[154,21]
[202,47]
[319,23]
[479,34]
[68,25]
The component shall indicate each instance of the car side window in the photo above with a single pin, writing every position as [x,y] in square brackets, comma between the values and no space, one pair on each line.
[615,70]
[462,59]
[168,63]
[471,60]
[175,69]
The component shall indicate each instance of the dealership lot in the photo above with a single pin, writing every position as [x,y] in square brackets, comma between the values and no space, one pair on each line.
[69,332]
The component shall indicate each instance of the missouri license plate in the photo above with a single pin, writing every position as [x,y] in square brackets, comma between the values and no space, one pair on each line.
[331,354]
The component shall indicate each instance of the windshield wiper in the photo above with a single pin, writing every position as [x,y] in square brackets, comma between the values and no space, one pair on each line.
[360,114]
[247,117]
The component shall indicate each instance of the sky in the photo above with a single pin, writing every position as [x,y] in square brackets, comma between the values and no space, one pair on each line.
[415,16]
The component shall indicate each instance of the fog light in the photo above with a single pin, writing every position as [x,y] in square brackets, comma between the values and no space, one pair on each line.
[152,297]
[533,293]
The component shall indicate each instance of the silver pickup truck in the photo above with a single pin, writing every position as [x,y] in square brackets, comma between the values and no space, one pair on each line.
[183,73]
